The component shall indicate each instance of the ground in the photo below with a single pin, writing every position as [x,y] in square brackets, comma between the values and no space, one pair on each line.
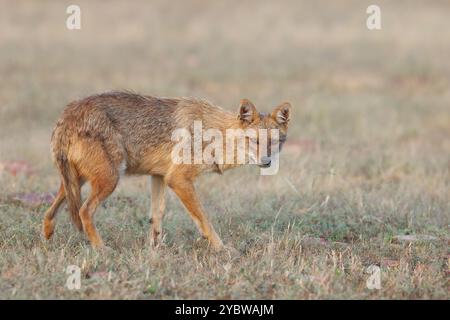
[364,177]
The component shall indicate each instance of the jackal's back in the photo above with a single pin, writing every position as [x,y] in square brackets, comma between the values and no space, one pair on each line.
[127,125]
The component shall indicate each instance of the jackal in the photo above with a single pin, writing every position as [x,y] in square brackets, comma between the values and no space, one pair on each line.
[101,137]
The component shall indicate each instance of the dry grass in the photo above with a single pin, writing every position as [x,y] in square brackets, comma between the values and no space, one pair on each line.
[367,159]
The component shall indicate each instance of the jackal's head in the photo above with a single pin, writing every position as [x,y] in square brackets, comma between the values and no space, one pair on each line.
[270,131]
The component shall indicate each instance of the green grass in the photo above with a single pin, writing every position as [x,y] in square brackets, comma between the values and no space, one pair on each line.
[367,157]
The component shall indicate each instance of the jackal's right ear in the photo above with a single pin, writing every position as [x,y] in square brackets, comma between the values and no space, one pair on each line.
[247,111]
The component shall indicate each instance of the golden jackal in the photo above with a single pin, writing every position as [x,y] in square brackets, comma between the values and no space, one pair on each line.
[101,137]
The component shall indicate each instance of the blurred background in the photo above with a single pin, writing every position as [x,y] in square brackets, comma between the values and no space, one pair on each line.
[370,132]
[348,84]
[382,93]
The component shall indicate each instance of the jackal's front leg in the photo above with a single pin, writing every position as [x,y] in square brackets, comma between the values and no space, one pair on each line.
[184,189]
[157,207]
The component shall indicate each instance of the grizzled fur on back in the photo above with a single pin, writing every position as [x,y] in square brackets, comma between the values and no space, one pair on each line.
[127,125]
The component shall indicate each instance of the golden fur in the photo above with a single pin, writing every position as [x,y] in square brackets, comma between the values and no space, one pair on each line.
[103,136]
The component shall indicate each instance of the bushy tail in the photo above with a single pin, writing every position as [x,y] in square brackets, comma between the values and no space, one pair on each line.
[60,141]
[71,183]
[72,188]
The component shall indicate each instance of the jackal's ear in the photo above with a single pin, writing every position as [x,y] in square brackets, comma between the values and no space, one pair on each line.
[282,113]
[247,111]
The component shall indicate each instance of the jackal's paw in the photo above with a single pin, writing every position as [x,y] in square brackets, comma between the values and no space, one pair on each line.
[48,229]
[231,251]
[103,249]
[157,244]
[156,238]
[216,245]
[201,241]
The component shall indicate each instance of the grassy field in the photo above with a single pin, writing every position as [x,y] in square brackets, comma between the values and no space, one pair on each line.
[364,178]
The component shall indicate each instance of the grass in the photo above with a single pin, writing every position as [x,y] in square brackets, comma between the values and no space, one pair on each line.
[367,158]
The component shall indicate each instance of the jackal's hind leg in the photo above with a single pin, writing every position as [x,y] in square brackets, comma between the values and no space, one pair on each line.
[100,166]
[101,188]
[48,225]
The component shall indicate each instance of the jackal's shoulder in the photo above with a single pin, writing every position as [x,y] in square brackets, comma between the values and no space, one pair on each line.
[190,108]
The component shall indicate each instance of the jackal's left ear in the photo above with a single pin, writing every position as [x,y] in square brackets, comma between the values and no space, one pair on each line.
[247,111]
[282,113]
